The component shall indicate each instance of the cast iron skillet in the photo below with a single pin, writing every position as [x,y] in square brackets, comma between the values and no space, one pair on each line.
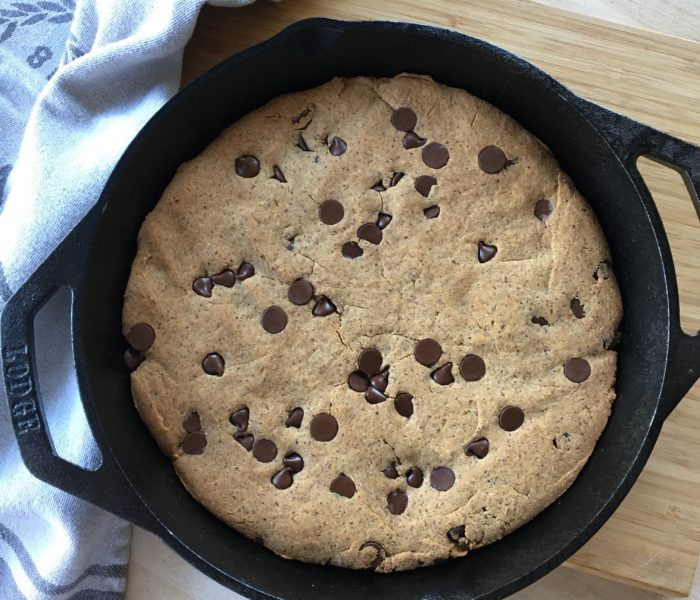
[657,362]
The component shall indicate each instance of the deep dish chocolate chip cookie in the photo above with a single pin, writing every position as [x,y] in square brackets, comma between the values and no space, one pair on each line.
[373,324]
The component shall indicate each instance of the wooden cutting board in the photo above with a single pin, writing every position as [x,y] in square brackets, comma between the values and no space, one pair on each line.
[653,540]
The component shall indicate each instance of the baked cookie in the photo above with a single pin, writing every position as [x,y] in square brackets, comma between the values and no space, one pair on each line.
[373,324]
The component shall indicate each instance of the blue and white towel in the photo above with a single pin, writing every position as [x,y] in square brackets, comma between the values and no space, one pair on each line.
[78,79]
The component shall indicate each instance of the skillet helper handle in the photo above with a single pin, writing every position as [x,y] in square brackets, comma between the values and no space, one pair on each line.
[106,486]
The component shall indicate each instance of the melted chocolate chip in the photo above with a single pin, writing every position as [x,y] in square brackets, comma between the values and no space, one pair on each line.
[396,502]
[331,212]
[424,184]
[247,166]
[273,319]
[245,439]
[492,159]
[301,144]
[344,486]
[403,403]
[379,186]
[381,553]
[380,381]
[391,471]
[383,220]
[577,370]
[540,321]
[472,367]
[203,286]
[351,250]
[141,337]
[358,381]
[443,374]
[132,359]
[427,352]
[577,308]
[194,443]
[404,119]
[478,448]
[213,364]
[245,270]
[265,450]
[413,140]
[510,418]
[486,252]
[283,479]
[370,361]
[296,415]
[435,155]
[323,307]
[300,292]
[370,232]
[442,478]
[374,396]
[192,423]
[414,477]
[239,418]
[432,212]
[543,208]
[395,178]
[226,278]
[278,175]
[338,146]
[323,427]
[294,461]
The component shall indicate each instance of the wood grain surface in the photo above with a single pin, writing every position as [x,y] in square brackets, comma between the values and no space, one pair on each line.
[653,540]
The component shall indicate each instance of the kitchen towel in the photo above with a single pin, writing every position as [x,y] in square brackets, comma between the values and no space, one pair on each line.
[78,80]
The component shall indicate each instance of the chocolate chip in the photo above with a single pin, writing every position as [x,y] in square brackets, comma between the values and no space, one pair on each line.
[265,450]
[302,144]
[239,418]
[403,403]
[245,270]
[273,319]
[478,448]
[282,479]
[391,471]
[370,232]
[486,252]
[381,553]
[427,352]
[370,361]
[323,427]
[294,461]
[543,208]
[351,250]
[379,186]
[577,308]
[397,502]
[331,212]
[300,292]
[192,423]
[323,307]
[338,146]
[344,486]
[380,381]
[278,175]
[613,342]
[424,184]
[510,418]
[443,374]
[432,212]
[132,359]
[247,166]
[374,396]
[395,178]
[492,159]
[457,534]
[203,286]
[213,364]
[383,220]
[540,321]
[358,381]
[435,155]
[404,119]
[414,477]
[245,439]
[194,443]
[413,140]
[442,478]
[226,278]
[472,367]
[141,337]
[296,415]
[577,370]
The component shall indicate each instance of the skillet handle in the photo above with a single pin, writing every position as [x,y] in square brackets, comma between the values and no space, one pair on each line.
[106,486]
[630,140]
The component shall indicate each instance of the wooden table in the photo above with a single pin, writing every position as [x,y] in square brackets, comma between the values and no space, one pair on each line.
[653,540]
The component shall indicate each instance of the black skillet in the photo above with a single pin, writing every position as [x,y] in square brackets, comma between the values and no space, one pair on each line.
[658,363]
